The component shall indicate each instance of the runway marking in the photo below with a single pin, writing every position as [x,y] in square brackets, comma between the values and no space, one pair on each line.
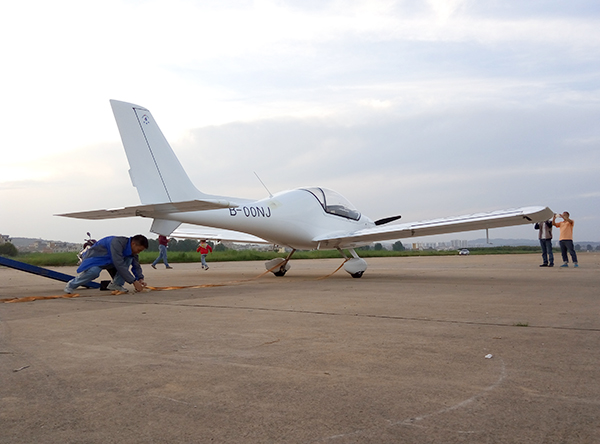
[413,421]
[461,404]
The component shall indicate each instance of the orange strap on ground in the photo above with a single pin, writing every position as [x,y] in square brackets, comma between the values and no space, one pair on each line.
[180,287]
[336,270]
[38,298]
[150,288]
[41,298]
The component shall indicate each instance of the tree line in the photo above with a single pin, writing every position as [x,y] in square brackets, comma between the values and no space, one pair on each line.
[184,245]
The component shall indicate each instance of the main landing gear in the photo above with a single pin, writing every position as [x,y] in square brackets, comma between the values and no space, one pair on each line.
[279,266]
[354,266]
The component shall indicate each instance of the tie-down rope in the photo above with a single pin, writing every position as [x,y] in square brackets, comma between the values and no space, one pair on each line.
[151,288]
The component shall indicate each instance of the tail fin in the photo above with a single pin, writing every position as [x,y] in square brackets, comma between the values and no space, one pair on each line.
[154,169]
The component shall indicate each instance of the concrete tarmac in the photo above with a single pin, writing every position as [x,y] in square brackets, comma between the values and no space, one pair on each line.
[398,356]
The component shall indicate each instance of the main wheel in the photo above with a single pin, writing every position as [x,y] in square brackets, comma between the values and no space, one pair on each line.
[278,266]
[357,275]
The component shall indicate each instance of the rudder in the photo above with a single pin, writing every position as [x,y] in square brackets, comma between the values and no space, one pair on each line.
[154,168]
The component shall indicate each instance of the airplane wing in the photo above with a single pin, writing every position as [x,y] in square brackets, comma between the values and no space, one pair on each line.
[199,232]
[494,219]
[152,210]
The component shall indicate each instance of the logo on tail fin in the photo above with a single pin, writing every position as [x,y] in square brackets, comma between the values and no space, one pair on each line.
[146,119]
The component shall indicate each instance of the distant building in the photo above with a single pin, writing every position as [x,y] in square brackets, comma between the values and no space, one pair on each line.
[440,246]
[458,244]
[46,246]
[4,238]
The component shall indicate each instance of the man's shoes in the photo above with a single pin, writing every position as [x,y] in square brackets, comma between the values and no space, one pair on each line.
[544,265]
[114,287]
[206,269]
[576,265]
[564,266]
[169,267]
[153,266]
[551,265]
[68,289]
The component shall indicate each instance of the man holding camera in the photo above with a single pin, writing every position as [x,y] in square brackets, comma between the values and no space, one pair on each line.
[566,238]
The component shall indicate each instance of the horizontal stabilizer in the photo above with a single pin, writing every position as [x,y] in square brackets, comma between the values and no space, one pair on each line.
[164,227]
[152,210]
[216,234]
[479,221]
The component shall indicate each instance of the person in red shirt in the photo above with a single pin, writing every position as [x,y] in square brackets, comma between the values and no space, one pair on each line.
[204,249]
[162,248]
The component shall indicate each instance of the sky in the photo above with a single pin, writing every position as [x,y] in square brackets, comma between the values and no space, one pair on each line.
[425,108]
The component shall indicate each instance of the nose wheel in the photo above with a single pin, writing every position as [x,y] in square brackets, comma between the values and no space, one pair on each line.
[354,266]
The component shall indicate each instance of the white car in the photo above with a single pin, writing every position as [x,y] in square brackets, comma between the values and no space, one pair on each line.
[464,252]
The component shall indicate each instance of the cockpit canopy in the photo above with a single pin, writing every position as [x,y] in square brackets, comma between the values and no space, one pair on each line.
[334,203]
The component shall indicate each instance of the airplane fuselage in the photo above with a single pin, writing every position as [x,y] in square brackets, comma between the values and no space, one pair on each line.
[291,218]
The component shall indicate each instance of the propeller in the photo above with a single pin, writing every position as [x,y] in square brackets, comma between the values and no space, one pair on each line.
[387,220]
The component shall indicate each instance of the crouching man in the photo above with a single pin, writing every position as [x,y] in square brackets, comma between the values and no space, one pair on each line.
[114,254]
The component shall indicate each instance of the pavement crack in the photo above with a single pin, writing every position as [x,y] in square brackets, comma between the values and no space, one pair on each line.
[360,315]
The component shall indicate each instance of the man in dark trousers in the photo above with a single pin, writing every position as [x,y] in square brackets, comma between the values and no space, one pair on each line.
[114,254]
[163,243]
[545,236]
[566,238]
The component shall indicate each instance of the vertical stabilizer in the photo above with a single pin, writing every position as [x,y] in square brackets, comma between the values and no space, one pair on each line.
[154,169]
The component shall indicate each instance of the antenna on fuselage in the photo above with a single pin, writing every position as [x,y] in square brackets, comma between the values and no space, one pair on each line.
[263,184]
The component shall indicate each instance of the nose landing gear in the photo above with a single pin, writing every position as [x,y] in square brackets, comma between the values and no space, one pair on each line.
[354,266]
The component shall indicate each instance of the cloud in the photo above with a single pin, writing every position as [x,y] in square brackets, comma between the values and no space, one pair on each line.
[20,184]
[434,107]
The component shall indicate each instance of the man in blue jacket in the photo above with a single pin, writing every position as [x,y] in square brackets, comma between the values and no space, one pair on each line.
[114,254]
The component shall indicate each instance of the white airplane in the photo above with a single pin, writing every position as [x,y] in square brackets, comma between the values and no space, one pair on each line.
[312,218]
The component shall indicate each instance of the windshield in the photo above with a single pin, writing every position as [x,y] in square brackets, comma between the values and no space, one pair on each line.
[334,203]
